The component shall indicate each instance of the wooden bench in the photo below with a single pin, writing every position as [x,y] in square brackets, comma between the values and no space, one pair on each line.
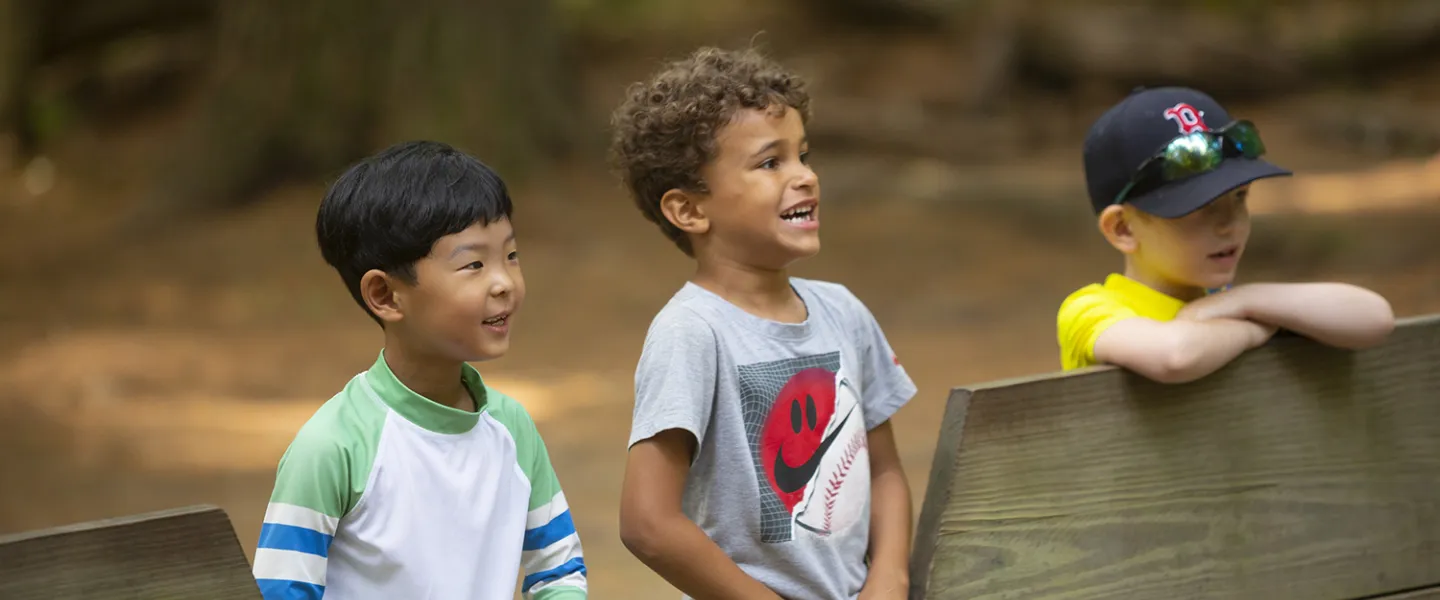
[1298,471]
[189,553]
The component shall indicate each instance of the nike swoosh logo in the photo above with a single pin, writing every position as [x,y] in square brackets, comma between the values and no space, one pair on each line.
[788,478]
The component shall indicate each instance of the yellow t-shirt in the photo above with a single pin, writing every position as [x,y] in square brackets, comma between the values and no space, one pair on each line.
[1095,307]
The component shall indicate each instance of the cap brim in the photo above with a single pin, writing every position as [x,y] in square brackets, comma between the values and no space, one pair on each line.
[1182,198]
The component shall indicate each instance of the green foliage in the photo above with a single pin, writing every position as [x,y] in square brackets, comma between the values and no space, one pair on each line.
[50,116]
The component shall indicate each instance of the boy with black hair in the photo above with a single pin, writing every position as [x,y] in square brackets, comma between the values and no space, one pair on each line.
[1168,173]
[762,463]
[418,480]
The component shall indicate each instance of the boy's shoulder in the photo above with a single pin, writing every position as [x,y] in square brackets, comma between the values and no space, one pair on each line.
[1089,293]
[328,461]
[507,410]
[689,312]
[842,306]
[1119,294]
[830,294]
[349,418]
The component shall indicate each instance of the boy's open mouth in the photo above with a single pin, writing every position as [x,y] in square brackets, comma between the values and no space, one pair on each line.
[1226,253]
[498,320]
[800,213]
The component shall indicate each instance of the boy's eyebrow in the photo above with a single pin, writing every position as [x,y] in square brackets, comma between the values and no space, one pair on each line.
[478,245]
[776,142]
[767,147]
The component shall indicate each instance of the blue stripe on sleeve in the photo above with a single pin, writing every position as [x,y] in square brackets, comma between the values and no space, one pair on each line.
[280,589]
[557,529]
[289,537]
[573,565]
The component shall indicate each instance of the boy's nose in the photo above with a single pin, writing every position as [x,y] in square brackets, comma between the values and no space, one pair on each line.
[806,178]
[502,284]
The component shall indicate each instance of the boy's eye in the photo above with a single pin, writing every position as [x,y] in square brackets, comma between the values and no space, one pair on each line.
[475,266]
[514,255]
[769,163]
[805,157]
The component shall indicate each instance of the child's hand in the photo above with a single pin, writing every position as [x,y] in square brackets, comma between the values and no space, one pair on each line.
[1229,304]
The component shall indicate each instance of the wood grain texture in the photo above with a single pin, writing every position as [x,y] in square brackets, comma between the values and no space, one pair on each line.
[186,553]
[1298,471]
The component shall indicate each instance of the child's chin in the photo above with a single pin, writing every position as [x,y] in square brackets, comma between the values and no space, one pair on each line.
[489,350]
[804,249]
[1219,282]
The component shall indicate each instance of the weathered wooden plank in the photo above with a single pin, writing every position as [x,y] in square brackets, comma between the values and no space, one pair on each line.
[184,553]
[1429,593]
[1298,471]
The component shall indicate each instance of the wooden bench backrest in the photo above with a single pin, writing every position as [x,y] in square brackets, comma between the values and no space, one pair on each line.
[1298,471]
[189,553]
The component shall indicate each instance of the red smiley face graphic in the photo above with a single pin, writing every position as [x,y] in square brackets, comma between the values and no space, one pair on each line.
[792,442]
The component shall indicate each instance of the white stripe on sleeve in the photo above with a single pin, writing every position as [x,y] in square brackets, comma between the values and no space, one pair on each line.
[289,565]
[280,513]
[543,514]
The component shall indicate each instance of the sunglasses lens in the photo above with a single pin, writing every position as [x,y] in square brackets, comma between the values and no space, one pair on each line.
[1244,138]
[1196,153]
[1191,155]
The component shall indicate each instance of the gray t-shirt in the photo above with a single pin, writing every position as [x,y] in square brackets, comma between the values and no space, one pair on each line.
[781,477]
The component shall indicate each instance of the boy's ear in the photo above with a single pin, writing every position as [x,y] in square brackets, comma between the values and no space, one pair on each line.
[683,209]
[379,290]
[1115,226]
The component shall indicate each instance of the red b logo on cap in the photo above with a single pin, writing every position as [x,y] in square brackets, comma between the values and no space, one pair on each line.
[1187,117]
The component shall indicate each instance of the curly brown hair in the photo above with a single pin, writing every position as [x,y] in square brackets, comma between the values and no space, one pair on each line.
[666,128]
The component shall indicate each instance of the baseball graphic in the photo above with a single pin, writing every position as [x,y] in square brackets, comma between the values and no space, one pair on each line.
[831,502]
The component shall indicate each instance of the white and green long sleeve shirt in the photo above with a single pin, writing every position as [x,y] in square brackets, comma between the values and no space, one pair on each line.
[384,494]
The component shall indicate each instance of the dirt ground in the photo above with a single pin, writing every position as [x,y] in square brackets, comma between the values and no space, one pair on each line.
[148,373]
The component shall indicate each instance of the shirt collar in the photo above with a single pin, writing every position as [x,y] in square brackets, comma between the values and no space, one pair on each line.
[422,411]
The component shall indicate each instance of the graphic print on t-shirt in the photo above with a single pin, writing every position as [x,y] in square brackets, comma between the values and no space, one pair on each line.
[807,438]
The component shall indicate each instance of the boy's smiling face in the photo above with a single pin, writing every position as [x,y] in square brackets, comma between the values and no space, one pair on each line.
[465,294]
[1184,257]
[762,201]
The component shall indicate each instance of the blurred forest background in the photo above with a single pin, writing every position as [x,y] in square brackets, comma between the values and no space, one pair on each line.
[167,322]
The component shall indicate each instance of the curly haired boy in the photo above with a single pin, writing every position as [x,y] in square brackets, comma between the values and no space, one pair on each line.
[762,463]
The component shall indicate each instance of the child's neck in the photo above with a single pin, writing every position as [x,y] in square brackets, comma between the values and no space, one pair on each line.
[438,380]
[1153,280]
[765,293]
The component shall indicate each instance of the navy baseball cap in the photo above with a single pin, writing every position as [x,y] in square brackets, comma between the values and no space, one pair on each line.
[1139,127]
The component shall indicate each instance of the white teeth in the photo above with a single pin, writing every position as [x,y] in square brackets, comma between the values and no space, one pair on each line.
[803,213]
[496,321]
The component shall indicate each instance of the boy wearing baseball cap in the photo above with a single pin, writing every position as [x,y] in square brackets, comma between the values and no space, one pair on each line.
[1168,172]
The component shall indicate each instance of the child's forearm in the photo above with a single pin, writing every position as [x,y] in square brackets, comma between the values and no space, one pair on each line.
[890,514]
[1178,351]
[1207,346]
[1334,314]
[679,551]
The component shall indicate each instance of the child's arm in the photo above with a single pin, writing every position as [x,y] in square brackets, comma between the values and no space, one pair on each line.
[1335,314]
[890,509]
[552,561]
[1177,351]
[887,387]
[674,397]
[311,494]
[655,530]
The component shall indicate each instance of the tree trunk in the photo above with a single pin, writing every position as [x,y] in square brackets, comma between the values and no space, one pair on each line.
[304,86]
[19,47]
